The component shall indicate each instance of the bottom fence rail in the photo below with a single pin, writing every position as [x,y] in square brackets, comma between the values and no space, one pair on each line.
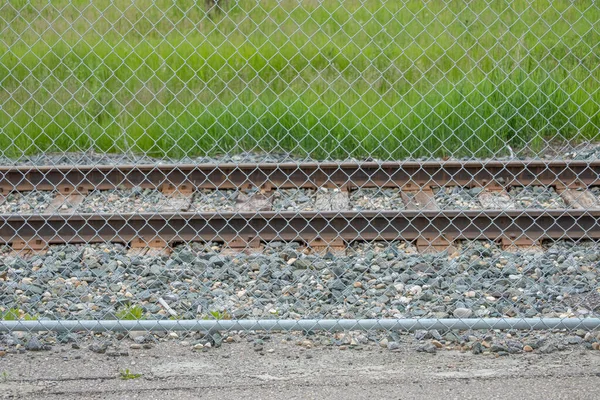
[300,325]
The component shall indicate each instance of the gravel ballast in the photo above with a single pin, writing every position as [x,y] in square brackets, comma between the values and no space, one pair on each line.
[358,200]
[376,199]
[214,200]
[555,151]
[284,281]
[93,158]
[458,198]
[536,197]
[294,200]
[134,200]
[138,200]
[447,198]
[26,202]
[370,281]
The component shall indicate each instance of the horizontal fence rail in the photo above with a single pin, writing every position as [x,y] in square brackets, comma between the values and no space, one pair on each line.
[306,325]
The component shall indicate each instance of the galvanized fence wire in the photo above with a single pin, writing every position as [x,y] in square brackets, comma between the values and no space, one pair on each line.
[158,165]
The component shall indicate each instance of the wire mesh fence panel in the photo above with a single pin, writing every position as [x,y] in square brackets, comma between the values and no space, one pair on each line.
[300,165]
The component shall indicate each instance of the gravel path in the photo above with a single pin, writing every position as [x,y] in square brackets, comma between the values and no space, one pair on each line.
[371,281]
[26,202]
[348,365]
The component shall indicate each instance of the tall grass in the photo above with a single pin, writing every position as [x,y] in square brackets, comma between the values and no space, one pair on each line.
[388,79]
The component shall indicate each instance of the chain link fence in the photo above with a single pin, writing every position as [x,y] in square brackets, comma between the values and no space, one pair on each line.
[159,166]
[326,80]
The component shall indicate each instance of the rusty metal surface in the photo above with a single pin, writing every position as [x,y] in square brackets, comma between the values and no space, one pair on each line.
[323,227]
[305,226]
[409,175]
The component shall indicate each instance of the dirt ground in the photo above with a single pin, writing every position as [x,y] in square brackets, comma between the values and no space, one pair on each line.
[284,370]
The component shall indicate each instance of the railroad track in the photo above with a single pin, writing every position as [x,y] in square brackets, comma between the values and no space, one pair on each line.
[421,220]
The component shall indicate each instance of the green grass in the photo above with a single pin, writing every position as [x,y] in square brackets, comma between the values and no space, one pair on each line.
[389,78]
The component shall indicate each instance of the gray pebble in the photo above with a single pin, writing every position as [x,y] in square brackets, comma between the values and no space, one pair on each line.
[573,340]
[393,346]
[98,347]
[427,348]
[462,312]
[34,344]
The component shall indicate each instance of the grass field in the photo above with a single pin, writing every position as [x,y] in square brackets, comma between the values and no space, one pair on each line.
[389,79]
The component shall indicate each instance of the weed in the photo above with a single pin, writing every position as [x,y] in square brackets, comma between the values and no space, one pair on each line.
[126,375]
[130,312]
[16,314]
[218,315]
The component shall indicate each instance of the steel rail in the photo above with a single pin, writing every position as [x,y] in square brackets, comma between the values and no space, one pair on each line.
[311,174]
[311,226]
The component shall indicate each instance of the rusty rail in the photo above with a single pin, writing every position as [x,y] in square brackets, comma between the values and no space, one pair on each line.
[293,175]
[304,226]
[245,228]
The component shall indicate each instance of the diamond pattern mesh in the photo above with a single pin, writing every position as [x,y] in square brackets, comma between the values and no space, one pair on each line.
[158,165]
